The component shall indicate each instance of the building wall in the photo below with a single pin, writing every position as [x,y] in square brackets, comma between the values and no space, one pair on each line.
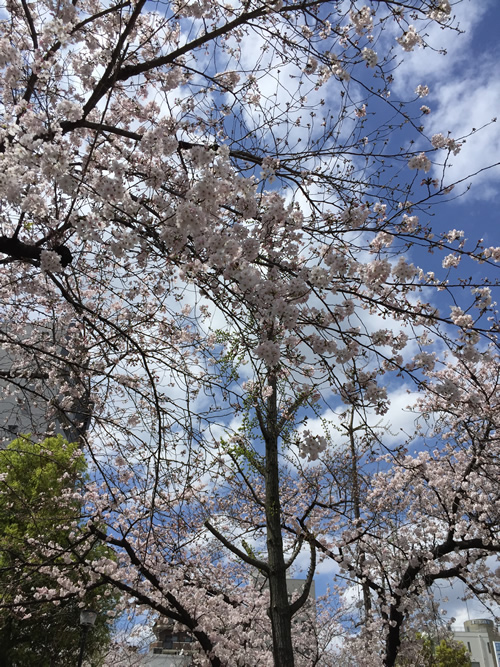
[25,398]
[162,660]
[478,637]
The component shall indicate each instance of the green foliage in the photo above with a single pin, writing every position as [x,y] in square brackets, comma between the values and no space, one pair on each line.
[452,654]
[38,505]
[427,652]
[35,477]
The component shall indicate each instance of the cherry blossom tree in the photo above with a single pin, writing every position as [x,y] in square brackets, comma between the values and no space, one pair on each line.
[210,217]
[433,517]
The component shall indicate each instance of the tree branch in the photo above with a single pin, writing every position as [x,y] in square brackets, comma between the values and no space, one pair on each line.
[254,562]
[17,249]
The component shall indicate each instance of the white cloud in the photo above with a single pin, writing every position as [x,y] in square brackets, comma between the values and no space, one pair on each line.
[464,94]
[463,105]
[450,599]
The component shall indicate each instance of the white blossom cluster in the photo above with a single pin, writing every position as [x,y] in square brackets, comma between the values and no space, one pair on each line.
[9,55]
[324,74]
[310,446]
[369,56]
[471,354]
[460,318]
[420,161]
[344,309]
[425,360]
[439,141]
[247,277]
[269,352]
[336,68]
[319,277]
[320,345]
[50,261]
[196,10]
[454,235]
[382,240]
[338,263]
[451,261]
[373,393]
[409,223]
[311,66]
[362,20]
[160,140]
[410,39]
[340,72]
[69,110]
[382,337]
[109,189]
[360,112]
[483,297]
[441,12]
[493,253]
[275,5]
[123,242]
[229,79]
[376,272]
[201,156]
[422,91]
[355,216]
[269,168]
[448,389]
[377,396]
[403,271]
[380,209]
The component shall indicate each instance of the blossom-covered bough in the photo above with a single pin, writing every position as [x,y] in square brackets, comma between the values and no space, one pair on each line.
[207,228]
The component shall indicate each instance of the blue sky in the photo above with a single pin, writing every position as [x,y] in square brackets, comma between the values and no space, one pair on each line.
[465,94]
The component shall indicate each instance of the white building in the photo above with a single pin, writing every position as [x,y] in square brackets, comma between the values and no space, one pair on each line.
[165,660]
[482,640]
[172,648]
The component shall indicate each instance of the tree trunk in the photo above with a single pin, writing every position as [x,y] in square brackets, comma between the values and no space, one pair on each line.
[6,642]
[356,498]
[279,612]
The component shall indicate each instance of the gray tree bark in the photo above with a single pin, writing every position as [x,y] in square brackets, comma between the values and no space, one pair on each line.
[279,611]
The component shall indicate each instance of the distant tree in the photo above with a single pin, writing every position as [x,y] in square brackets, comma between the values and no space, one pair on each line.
[451,654]
[39,505]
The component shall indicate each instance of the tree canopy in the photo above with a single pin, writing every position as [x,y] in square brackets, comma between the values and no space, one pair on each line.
[221,247]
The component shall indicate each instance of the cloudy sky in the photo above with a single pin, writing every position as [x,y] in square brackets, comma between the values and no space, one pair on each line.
[464,94]
[464,97]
